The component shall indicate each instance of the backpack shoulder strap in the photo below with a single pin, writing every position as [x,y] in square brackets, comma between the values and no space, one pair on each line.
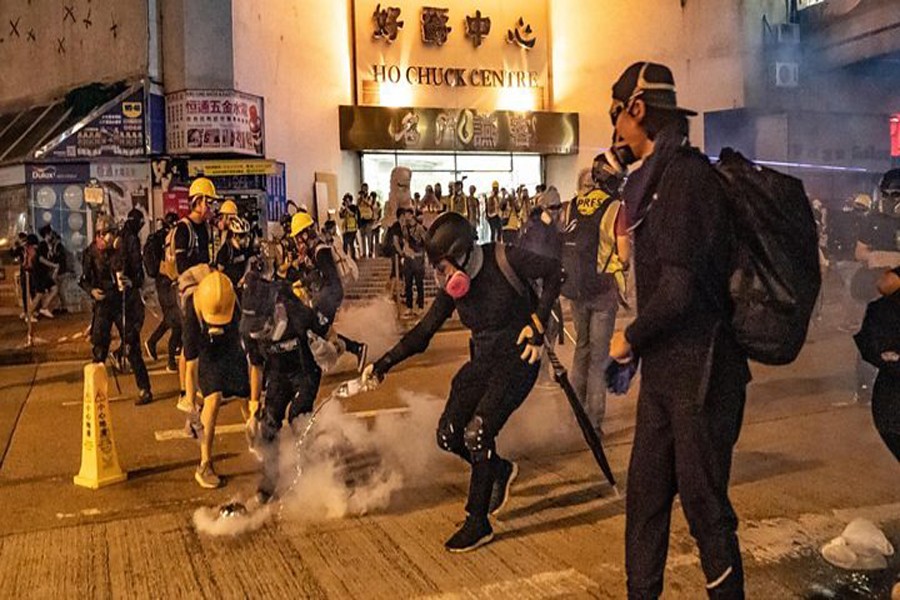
[507,269]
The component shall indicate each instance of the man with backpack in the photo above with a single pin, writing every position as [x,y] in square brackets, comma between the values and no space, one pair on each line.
[487,286]
[595,255]
[694,373]
[411,243]
[166,293]
[189,247]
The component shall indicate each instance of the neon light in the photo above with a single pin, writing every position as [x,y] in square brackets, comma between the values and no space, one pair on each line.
[776,163]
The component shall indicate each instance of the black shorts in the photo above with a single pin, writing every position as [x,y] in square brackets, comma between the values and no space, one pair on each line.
[223,365]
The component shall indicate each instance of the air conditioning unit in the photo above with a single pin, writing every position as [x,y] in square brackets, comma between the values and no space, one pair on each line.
[787,74]
[787,33]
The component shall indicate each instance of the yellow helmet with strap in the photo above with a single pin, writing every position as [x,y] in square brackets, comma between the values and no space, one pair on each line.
[203,187]
[215,299]
[228,207]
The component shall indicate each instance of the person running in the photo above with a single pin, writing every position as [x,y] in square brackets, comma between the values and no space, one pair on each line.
[486,286]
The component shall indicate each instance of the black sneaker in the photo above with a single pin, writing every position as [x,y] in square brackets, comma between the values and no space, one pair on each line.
[144,397]
[508,472]
[473,534]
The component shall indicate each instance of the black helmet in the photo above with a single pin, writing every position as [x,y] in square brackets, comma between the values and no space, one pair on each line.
[607,172]
[451,236]
[171,219]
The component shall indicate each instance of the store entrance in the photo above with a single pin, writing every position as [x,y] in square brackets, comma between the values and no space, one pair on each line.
[480,170]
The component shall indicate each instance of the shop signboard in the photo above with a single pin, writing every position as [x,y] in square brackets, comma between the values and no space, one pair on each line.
[176,201]
[895,136]
[276,193]
[93,193]
[58,173]
[465,130]
[118,131]
[215,122]
[222,168]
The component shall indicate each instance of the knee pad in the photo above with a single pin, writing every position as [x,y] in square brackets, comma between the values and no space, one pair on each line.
[447,437]
[477,443]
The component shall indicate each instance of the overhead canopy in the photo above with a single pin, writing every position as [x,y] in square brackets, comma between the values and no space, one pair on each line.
[35,132]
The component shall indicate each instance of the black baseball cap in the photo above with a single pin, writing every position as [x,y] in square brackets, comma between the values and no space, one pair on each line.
[651,82]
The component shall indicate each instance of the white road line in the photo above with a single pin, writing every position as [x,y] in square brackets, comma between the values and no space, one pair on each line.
[180,434]
[551,584]
[111,399]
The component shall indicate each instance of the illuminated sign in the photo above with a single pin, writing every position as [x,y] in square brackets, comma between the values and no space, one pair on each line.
[454,76]
[895,135]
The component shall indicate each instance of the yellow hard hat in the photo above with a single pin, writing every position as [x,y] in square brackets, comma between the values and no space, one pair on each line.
[228,207]
[300,222]
[203,187]
[214,300]
[863,201]
[495,184]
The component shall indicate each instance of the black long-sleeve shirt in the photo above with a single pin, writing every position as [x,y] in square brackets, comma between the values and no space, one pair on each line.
[191,245]
[493,310]
[682,257]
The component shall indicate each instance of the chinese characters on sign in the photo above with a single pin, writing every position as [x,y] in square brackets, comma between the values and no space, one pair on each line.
[522,35]
[214,121]
[387,25]
[435,30]
[477,28]
[465,130]
[118,132]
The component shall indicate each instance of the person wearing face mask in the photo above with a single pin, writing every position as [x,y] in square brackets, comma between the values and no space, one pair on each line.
[595,257]
[507,327]
[694,374]
[108,274]
[222,364]
[234,255]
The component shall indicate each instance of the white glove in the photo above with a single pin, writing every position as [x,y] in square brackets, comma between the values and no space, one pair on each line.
[122,282]
[534,344]
[369,378]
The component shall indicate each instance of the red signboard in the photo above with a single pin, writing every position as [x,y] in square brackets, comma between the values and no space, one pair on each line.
[895,135]
[177,201]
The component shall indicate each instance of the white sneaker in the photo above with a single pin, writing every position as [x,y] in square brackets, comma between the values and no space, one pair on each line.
[184,404]
[46,313]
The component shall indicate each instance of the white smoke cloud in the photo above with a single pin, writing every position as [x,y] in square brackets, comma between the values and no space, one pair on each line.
[350,466]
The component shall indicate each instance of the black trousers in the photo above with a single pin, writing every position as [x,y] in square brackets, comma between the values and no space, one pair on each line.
[350,244]
[414,274]
[886,410]
[685,448]
[171,316]
[108,312]
[496,227]
[292,382]
[483,395]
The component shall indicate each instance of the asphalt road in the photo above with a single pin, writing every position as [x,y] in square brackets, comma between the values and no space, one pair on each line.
[805,465]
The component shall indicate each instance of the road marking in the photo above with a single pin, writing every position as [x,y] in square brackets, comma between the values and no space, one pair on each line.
[552,584]
[111,399]
[180,434]
[87,512]
[166,435]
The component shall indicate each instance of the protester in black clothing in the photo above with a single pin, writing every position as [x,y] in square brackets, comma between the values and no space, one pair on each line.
[192,238]
[112,275]
[48,269]
[166,293]
[878,249]
[694,375]
[886,391]
[234,255]
[476,281]
[25,253]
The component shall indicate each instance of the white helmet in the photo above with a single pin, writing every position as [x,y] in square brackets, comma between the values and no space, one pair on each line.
[239,226]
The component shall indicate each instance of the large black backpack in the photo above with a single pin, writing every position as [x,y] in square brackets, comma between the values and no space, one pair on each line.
[775,279]
[154,252]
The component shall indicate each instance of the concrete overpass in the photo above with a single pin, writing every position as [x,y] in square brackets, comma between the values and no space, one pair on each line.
[841,33]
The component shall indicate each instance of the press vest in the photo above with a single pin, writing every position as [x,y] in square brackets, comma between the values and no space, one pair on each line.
[590,255]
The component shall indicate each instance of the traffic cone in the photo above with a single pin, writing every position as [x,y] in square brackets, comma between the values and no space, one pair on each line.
[99,462]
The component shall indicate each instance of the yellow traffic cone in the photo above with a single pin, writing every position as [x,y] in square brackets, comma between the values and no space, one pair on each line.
[99,462]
